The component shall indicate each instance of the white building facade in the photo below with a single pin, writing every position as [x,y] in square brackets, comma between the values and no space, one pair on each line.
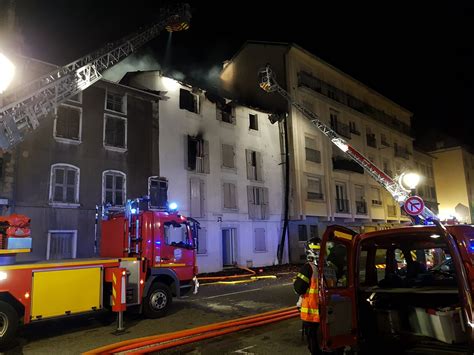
[223,163]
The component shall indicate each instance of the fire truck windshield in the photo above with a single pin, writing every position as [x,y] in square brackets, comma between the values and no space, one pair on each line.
[178,235]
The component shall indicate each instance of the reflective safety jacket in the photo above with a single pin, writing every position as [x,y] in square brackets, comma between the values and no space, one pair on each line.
[309,311]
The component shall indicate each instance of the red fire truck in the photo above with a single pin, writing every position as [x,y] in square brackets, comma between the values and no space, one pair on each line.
[146,258]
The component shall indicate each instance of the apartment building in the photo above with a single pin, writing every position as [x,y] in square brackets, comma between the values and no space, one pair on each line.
[427,187]
[326,187]
[223,162]
[99,147]
[453,169]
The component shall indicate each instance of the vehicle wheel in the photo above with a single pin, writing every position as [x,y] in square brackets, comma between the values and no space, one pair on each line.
[8,323]
[157,301]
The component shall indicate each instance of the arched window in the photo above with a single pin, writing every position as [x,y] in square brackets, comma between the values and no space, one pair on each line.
[114,186]
[64,184]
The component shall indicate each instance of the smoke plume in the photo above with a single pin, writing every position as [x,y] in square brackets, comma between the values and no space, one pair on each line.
[131,64]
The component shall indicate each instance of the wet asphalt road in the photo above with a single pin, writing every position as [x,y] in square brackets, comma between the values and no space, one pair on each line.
[214,303]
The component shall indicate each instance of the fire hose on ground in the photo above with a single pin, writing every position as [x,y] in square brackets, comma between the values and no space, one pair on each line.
[169,340]
[223,280]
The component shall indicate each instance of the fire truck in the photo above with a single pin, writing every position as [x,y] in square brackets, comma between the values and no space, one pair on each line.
[146,256]
[377,291]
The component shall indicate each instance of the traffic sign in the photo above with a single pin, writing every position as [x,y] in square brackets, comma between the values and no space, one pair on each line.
[414,205]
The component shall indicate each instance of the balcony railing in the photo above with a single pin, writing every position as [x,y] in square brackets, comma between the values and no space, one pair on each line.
[371,140]
[339,163]
[361,207]
[318,85]
[392,210]
[376,203]
[402,152]
[342,205]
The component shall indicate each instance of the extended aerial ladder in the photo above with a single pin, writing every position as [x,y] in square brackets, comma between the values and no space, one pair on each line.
[25,106]
[269,84]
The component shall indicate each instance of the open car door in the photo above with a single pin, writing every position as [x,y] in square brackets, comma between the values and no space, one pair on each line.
[337,290]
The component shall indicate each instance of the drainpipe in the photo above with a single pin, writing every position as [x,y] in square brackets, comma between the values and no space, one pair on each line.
[281,246]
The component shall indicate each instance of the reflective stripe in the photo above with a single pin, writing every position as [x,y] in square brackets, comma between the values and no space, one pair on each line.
[309,310]
[312,290]
[302,277]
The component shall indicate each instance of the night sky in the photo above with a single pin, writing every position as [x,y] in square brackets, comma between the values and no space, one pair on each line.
[419,56]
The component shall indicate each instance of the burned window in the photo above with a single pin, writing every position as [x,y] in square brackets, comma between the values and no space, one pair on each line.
[115,102]
[113,188]
[253,122]
[198,155]
[188,101]
[115,132]
[68,123]
[64,184]
[225,112]
[158,192]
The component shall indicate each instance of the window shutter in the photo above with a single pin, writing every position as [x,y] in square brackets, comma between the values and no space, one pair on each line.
[251,202]
[265,206]
[260,242]
[227,199]
[227,156]
[233,199]
[248,154]
[202,241]
[206,167]
[195,198]
[259,167]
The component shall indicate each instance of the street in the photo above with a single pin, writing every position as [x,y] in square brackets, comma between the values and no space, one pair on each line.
[214,303]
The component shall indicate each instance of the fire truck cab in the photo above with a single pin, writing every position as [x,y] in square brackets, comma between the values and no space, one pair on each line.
[404,290]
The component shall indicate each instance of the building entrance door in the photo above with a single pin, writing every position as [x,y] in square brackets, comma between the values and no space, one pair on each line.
[229,255]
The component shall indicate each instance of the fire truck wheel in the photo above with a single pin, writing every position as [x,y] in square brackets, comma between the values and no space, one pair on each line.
[157,301]
[8,323]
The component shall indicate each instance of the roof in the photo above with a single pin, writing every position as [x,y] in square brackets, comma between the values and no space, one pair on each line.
[296,46]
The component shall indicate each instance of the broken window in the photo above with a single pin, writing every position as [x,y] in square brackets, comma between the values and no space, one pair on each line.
[225,112]
[68,123]
[258,202]
[198,155]
[115,132]
[115,102]
[113,188]
[188,101]
[230,198]
[253,122]
[64,184]
[254,165]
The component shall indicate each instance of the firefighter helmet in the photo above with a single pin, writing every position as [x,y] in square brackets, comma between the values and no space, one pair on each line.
[312,249]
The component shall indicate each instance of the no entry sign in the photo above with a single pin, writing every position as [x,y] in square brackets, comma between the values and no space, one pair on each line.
[414,205]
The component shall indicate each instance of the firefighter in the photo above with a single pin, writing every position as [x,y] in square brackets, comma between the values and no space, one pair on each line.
[306,285]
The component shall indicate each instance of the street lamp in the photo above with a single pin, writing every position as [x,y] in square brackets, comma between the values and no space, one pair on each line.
[7,72]
[409,181]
